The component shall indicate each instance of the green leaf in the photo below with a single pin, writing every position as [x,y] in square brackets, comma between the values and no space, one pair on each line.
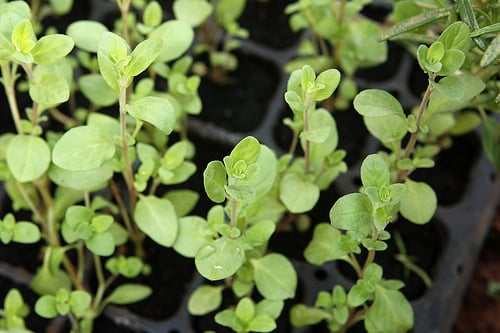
[387,128]
[193,12]
[86,34]
[375,171]
[220,259]
[193,234]
[49,88]
[353,212]
[298,194]
[376,103]
[247,150]
[263,181]
[322,121]
[61,7]
[143,55]
[227,11]
[439,102]
[45,307]
[492,52]
[456,36]
[262,323]
[157,111]
[245,310]
[390,312]
[28,157]
[79,302]
[275,277]
[452,61]
[325,245]
[177,37]
[101,244]
[418,203]
[113,54]
[83,148]
[183,200]
[453,88]
[156,218]
[491,141]
[205,299]
[52,47]
[330,79]
[153,14]
[260,233]
[128,293]
[88,180]
[302,315]
[272,308]
[26,233]
[97,90]
[214,180]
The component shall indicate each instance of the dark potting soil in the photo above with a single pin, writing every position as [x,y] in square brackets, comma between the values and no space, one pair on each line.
[350,127]
[454,167]
[169,280]
[240,104]
[262,17]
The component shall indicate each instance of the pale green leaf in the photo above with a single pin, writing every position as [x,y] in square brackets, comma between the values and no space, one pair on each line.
[376,103]
[375,171]
[298,194]
[214,180]
[390,312]
[143,55]
[418,203]
[157,111]
[205,299]
[193,12]
[193,234]
[49,89]
[83,148]
[275,277]
[97,90]
[177,38]
[86,34]
[52,47]
[325,245]
[220,259]
[128,293]
[156,218]
[353,212]
[28,157]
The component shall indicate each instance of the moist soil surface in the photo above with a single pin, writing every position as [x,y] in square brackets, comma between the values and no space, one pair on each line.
[479,312]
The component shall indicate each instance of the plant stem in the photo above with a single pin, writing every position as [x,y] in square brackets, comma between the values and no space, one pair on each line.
[371,253]
[9,82]
[127,173]
[307,150]
[355,264]
[234,208]
[31,204]
[62,118]
[100,280]
[124,9]
[413,138]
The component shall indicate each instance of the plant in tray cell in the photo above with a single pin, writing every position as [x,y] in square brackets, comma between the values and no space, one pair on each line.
[82,210]
[358,220]
[423,23]
[339,37]
[218,33]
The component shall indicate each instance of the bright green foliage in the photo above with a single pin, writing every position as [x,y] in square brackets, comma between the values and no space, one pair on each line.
[220,259]
[156,218]
[193,234]
[155,110]
[174,167]
[129,267]
[13,313]
[62,303]
[83,148]
[50,277]
[301,183]
[28,157]
[326,245]
[419,202]
[246,318]
[18,231]
[128,293]
[86,34]
[176,37]
[193,12]
[491,140]
[390,312]
[275,277]
[81,223]
[205,299]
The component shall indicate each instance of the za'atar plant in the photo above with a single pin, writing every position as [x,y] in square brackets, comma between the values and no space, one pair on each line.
[85,194]
[359,220]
